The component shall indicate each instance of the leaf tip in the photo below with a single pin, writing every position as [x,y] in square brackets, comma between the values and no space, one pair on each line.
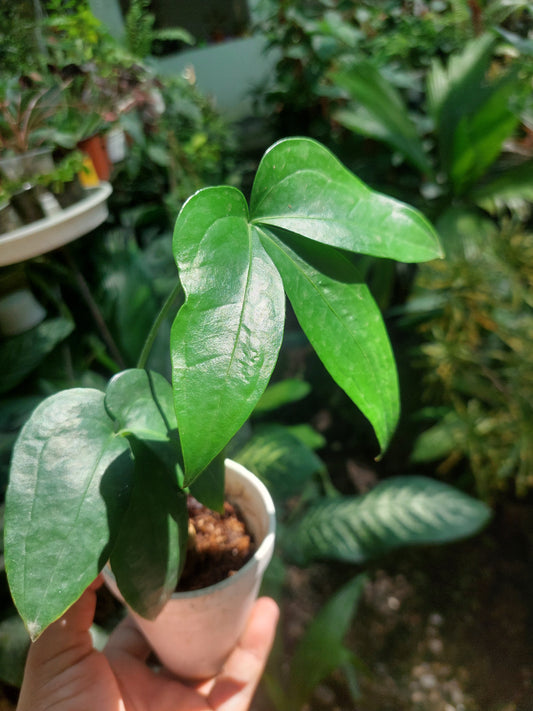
[34,629]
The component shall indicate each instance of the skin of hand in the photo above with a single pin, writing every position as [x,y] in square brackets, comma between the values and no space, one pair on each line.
[65,673]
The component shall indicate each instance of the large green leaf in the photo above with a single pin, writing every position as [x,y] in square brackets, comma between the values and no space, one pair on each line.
[142,404]
[226,337]
[301,187]
[149,552]
[380,113]
[21,354]
[280,459]
[69,485]
[398,512]
[340,318]
[321,650]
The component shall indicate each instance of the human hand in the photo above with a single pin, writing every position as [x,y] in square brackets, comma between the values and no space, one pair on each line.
[65,673]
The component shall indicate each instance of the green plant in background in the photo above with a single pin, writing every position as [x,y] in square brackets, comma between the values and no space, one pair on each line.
[309,40]
[234,265]
[180,143]
[140,33]
[474,108]
[474,314]
[317,523]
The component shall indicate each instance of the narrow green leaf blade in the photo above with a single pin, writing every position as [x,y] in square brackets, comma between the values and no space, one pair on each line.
[301,187]
[150,549]
[324,287]
[69,486]
[384,116]
[401,511]
[321,649]
[226,337]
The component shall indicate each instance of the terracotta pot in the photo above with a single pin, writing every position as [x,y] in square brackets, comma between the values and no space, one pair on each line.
[95,147]
[196,631]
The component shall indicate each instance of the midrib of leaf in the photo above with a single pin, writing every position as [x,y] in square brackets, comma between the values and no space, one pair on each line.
[243,308]
[277,244]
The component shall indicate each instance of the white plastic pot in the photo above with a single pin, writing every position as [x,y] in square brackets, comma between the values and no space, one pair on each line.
[19,311]
[196,631]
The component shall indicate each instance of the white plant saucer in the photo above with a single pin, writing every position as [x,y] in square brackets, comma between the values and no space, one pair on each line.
[57,230]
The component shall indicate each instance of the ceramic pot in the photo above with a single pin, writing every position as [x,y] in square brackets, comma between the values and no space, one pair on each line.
[196,631]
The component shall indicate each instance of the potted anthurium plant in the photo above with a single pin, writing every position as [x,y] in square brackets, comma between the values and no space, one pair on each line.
[104,476]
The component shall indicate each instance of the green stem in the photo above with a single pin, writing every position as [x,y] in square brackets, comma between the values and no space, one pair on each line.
[148,344]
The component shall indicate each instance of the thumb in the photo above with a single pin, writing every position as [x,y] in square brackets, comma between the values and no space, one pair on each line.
[59,648]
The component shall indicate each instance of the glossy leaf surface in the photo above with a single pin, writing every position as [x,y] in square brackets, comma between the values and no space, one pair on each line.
[142,405]
[399,511]
[226,337]
[69,486]
[301,187]
[340,318]
[150,549]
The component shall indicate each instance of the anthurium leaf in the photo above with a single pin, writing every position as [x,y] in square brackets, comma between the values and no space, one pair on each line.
[283,393]
[301,187]
[149,551]
[21,354]
[208,488]
[226,337]
[69,485]
[280,459]
[400,511]
[142,404]
[380,112]
[344,325]
[321,650]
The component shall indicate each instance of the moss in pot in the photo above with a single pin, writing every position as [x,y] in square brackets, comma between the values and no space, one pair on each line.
[100,476]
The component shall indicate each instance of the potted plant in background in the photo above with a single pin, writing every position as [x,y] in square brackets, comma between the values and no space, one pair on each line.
[100,476]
